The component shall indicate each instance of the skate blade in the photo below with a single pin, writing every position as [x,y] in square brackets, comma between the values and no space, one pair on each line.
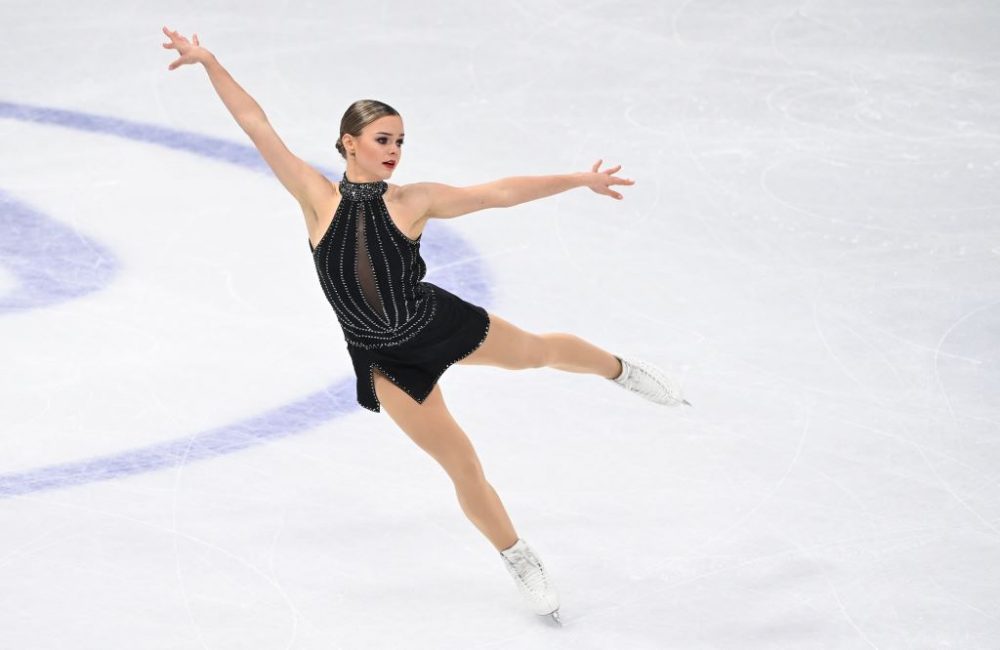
[554,616]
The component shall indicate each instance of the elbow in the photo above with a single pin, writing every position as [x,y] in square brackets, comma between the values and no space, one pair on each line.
[250,121]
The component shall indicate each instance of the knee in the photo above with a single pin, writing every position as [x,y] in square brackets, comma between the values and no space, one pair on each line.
[466,472]
[542,351]
[553,342]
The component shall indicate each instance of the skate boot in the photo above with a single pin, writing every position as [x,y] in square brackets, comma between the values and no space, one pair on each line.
[643,378]
[532,579]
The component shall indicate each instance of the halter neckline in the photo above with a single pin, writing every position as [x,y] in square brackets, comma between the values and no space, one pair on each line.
[361,191]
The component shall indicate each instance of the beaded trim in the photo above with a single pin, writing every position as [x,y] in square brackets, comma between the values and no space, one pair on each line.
[361,241]
[353,191]
[416,324]
[364,326]
[329,229]
[419,400]
[362,191]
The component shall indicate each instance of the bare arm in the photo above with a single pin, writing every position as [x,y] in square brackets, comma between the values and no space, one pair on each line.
[521,189]
[440,201]
[307,185]
[243,107]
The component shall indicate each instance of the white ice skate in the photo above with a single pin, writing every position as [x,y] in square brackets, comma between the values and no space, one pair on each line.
[643,378]
[532,579]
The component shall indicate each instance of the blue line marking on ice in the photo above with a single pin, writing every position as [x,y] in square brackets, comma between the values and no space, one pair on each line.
[30,241]
[288,419]
[50,262]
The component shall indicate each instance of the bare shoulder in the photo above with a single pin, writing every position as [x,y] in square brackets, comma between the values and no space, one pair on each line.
[411,195]
[442,201]
[413,199]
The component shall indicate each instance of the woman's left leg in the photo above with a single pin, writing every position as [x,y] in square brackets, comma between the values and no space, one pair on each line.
[509,346]
[432,427]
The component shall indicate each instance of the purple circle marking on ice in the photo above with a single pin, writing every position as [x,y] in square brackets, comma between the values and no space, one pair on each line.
[30,242]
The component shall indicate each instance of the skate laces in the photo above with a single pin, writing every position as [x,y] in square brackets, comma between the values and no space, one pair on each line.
[528,569]
[652,382]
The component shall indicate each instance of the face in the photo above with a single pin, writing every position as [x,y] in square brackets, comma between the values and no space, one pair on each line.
[379,142]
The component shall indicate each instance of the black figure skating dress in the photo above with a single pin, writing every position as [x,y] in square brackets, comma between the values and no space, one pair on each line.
[372,273]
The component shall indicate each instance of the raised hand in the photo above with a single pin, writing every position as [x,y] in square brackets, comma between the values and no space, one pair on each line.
[189,52]
[601,182]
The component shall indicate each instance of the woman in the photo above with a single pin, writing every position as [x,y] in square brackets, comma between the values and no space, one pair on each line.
[403,333]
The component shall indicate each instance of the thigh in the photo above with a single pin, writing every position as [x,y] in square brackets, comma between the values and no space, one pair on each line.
[432,427]
[508,346]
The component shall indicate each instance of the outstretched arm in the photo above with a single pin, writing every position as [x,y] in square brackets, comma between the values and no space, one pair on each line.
[440,201]
[306,184]
[521,189]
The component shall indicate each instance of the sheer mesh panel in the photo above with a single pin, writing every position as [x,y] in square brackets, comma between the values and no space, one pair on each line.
[363,266]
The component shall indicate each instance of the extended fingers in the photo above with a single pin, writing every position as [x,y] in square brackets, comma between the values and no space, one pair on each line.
[610,180]
[614,180]
[174,35]
[609,171]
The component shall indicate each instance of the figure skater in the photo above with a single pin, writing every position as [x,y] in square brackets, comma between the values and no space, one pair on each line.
[402,333]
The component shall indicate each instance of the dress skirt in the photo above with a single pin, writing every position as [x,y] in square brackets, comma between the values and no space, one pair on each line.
[415,365]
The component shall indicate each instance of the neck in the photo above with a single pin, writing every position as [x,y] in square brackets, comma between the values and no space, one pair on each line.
[354,175]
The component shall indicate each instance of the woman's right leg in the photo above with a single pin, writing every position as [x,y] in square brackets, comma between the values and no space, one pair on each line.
[432,427]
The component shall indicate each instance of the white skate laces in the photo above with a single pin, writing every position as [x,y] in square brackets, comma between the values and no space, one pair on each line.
[532,579]
[645,379]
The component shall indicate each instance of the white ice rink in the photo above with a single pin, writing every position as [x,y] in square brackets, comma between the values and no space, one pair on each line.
[811,247]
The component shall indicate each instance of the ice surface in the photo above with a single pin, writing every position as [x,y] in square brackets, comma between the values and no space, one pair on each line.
[811,246]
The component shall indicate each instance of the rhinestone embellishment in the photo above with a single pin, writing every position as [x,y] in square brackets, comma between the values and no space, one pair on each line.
[371,273]
[362,191]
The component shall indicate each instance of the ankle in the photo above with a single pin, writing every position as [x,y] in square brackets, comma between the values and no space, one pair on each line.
[621,367]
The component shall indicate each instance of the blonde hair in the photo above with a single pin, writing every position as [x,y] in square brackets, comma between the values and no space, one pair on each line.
[359,115]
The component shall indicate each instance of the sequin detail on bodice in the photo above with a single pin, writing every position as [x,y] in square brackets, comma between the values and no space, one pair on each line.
[371,272]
